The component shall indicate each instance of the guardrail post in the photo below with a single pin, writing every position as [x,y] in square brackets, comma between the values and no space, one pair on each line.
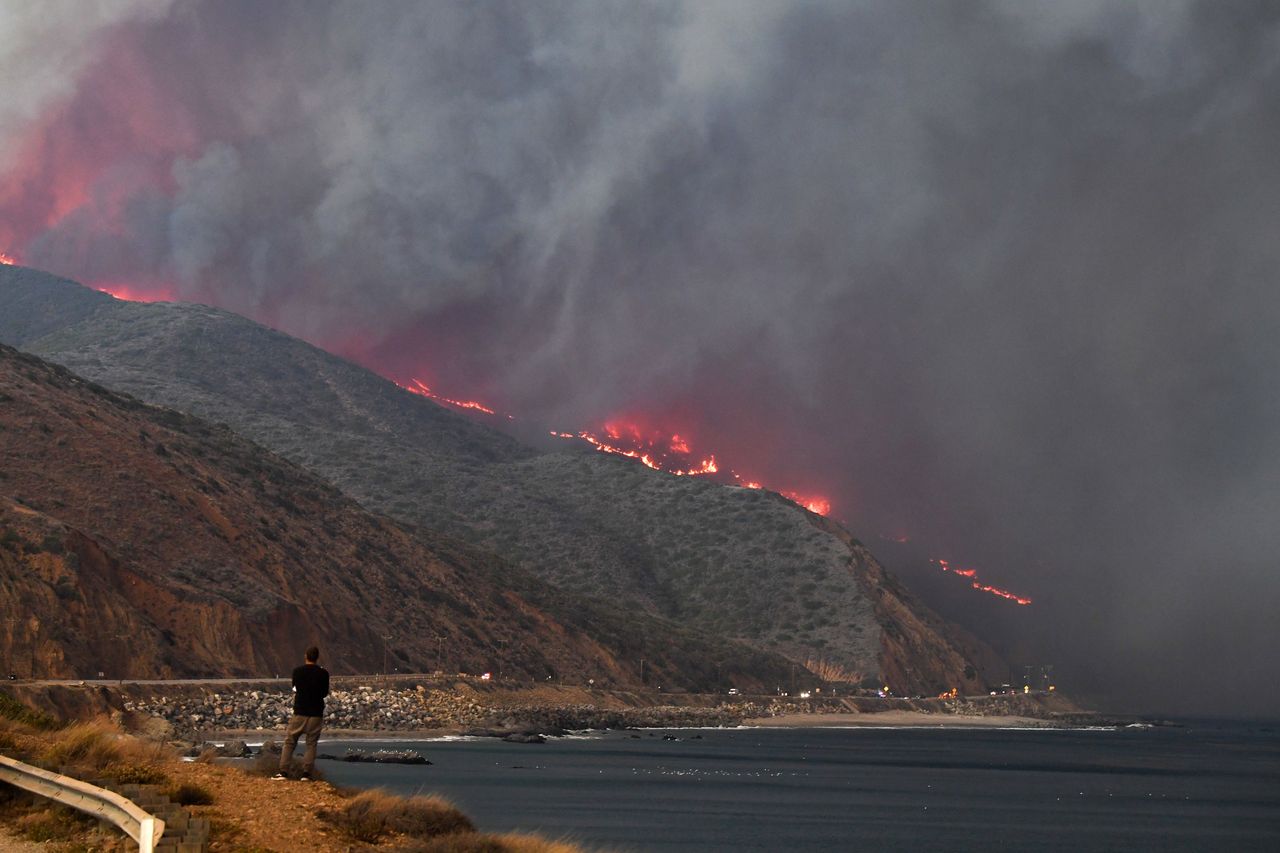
[147,835]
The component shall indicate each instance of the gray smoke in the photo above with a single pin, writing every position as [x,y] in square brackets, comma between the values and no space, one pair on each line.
[1001,275]
[44,49]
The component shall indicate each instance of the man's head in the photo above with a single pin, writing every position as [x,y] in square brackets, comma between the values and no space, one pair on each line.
[313,654]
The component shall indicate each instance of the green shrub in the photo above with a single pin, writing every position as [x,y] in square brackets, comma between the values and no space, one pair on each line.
[12,709]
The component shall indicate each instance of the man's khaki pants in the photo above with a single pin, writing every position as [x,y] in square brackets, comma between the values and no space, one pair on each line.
[309,726]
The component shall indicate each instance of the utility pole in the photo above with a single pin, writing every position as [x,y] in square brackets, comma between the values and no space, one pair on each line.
[12,646]
[643,677]
[35,643]
[502,654]
[385,639]
[440,651]
[124,648]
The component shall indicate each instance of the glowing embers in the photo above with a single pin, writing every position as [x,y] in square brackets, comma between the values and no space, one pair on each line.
[417,386]
[972,576]
[7,260]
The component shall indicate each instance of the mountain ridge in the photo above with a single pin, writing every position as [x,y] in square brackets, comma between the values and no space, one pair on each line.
[741,563]
[142,542]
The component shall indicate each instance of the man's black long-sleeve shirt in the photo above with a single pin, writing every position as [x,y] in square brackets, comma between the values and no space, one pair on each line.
[310,685]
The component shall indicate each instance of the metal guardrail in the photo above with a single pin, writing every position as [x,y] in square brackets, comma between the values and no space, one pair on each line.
[142,827]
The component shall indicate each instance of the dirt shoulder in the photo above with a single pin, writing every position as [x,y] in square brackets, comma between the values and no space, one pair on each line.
[254,812]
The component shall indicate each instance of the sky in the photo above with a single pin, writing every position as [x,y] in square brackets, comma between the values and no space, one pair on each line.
[997,276]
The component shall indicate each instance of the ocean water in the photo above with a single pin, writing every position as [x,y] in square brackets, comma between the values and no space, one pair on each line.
[1204,787]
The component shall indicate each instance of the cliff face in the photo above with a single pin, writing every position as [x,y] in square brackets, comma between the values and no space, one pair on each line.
[140,542]
[917,647]
[735,562]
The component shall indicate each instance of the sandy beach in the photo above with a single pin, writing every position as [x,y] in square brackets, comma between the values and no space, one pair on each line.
[898,718]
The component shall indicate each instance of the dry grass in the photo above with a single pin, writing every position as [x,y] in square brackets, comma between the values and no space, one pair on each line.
[58,828]
[50,824]
[131,773]
[371,815]
[84,744]
[97,749]
[191,794]
[266,762]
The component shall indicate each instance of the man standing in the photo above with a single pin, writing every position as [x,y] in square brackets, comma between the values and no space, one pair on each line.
[310,686]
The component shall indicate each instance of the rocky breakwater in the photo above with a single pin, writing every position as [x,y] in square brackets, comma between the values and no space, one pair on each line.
[1053,709]
[198,716]
[525,722]
[360,709]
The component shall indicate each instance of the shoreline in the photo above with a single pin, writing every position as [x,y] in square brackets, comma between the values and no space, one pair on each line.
[882,719]
[432,709]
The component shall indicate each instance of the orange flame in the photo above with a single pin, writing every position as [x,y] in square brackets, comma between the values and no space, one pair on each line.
[7,260]
[1003,593]
[609,448]
[132,293]
[673,454]
[423,390]
[821,506]
[972,575]
[657,450]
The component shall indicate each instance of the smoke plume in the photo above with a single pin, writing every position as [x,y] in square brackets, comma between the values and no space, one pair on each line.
[995,274]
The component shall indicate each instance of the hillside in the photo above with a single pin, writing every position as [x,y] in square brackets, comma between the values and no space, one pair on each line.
[141,542]
[742,563]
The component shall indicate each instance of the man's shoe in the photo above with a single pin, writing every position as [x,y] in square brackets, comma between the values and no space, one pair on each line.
[279,776]
[305,777]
